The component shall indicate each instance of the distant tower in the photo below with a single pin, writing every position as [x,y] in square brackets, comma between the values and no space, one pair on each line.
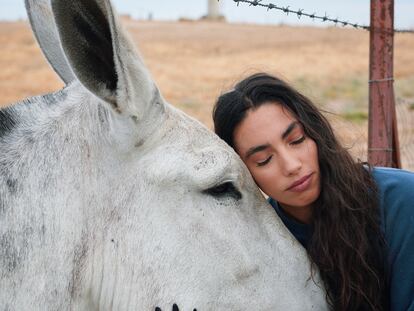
[213,9]
[214,13]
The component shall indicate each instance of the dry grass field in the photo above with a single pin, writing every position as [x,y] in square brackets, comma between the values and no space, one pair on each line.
[193,62]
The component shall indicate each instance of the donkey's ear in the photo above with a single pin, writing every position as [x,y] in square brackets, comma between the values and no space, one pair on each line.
[44,28]
[103,58]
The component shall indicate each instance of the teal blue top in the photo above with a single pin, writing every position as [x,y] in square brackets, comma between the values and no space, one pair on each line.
[396,194]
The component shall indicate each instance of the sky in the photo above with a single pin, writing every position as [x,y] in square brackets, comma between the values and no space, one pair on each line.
[356,11]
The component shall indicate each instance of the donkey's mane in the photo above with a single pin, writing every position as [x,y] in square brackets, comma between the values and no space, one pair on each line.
[37,124]
[12,116]
[7,121]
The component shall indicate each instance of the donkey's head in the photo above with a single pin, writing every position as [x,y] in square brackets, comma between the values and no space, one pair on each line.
[166,212]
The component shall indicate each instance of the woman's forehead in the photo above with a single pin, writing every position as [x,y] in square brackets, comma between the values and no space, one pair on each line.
[267,116]
[262,125]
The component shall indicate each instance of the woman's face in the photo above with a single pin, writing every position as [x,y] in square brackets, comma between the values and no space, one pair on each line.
[281,158]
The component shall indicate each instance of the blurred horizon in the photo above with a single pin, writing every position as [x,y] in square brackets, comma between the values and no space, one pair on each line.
[355,11]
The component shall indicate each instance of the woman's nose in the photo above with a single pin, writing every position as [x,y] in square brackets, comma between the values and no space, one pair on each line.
[291,163]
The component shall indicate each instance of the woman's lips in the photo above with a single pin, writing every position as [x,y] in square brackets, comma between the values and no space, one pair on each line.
[301,184]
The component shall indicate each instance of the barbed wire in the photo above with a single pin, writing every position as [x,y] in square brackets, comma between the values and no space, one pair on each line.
[300,13]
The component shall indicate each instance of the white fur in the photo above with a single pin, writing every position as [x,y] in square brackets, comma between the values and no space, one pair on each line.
[105,209]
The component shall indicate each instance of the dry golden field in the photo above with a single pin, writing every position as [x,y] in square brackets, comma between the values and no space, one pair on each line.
[193,62]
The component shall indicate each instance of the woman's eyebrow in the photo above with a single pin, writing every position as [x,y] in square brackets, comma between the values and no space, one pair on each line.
[256,149]
[289,129]
[259,148]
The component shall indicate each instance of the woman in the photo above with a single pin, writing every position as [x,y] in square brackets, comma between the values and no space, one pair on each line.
[356,222]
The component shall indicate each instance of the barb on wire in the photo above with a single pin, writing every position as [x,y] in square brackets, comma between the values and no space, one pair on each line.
[300,12]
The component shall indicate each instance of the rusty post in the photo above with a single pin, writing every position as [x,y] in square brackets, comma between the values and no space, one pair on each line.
[383,146]
[396,154]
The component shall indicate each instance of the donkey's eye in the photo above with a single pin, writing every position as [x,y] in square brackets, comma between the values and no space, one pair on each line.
[223,190]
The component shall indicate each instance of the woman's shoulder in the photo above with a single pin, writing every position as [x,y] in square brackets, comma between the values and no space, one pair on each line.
[396,194]
[387,174]
[396,201]
[395,191]
[393,182]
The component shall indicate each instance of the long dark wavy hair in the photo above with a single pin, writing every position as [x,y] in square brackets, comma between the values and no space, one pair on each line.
[347,245]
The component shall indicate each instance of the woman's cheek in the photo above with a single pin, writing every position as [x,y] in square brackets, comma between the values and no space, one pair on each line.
[264,180]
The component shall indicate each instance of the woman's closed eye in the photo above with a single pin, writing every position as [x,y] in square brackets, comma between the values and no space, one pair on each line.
[293,143]
[262,163]
[298,141]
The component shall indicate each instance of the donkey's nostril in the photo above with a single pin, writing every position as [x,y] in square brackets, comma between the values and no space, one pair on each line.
[175,307]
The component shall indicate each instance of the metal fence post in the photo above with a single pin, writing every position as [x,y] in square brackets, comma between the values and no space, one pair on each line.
[383,146]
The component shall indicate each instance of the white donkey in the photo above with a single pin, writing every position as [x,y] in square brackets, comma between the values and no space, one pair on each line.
[111,199]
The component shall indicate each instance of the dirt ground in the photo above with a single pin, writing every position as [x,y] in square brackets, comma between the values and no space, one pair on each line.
[193,62]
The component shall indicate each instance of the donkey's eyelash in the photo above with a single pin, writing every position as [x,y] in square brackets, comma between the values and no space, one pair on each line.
[224,189]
